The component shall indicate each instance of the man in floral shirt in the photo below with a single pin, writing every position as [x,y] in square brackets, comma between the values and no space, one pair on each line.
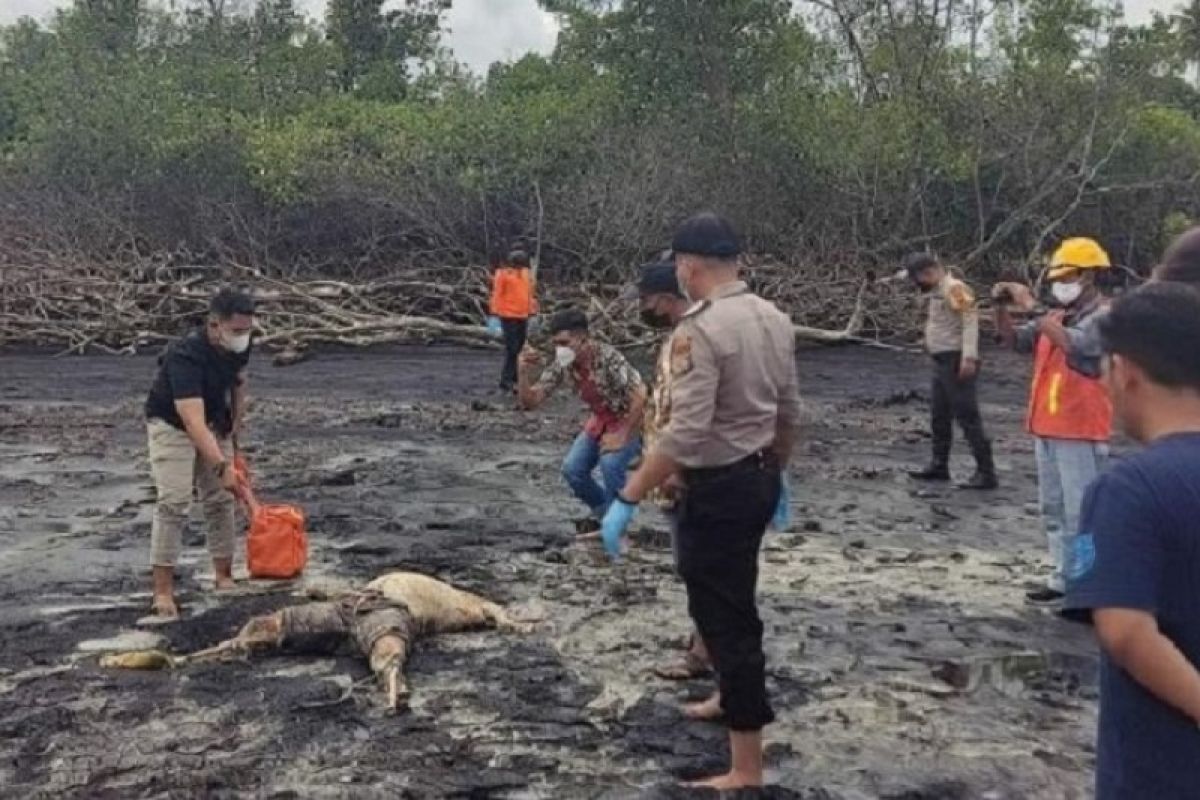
[614,394]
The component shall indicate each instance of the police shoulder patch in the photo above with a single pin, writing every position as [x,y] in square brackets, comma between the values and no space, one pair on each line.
[1081,556]
[960,296]
[681,354]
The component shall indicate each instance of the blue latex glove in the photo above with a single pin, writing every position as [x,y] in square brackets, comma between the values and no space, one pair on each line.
[493,327]
[783,510]
[616,522]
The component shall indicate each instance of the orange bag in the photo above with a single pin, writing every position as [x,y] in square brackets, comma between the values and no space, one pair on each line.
[277,545]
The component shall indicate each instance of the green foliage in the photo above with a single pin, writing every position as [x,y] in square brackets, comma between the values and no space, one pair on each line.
[853,133]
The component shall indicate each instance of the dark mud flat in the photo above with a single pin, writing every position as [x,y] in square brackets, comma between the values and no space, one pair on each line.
[902,661]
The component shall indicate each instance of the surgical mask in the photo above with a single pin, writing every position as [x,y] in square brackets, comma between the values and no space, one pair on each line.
[654,319]
[564,356]
[236,343]
[1066,293]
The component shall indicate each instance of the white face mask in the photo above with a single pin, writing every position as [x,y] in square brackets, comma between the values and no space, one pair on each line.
[564,356]
[237,343]
[1066,293]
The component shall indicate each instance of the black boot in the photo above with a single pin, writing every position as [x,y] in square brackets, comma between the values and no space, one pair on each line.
[936,471]
[985,470]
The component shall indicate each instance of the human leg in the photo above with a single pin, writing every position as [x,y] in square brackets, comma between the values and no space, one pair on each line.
[1052,508]
[218,505]
[941,426]
[614,468]
[514,331]
[1079,463]
[172,463]
[721,531]
[965,400]
[577,469]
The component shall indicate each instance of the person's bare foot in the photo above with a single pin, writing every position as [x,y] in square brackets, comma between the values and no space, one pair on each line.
[706,710]
[728,782]
[164,608]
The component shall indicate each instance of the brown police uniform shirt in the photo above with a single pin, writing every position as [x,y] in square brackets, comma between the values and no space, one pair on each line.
[953,322]
[733,383]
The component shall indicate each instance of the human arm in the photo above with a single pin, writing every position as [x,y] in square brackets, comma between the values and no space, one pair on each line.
[495,295]
[1115,567]
[530,393]
[1051,326]
[787,422]
[240,399]
[1085,346]
[1133,641]
[1007,296]
[630,424]
[961,300]
[191,412]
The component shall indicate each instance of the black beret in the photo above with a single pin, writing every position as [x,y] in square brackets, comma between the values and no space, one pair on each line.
[659,278]
[707,235]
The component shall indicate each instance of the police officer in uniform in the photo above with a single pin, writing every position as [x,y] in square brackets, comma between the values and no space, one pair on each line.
[735,410]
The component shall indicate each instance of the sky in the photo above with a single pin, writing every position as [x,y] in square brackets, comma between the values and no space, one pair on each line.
[483,31]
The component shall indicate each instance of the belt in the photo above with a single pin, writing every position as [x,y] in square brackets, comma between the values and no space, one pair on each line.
[759,460]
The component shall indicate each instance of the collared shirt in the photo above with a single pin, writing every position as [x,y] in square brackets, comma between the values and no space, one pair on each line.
[952,325]
[734,387]
[1086,349]
[193,368]
[606,385]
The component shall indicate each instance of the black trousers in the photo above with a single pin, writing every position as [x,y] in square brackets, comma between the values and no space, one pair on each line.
[721,524]
[956,399]
[514,331]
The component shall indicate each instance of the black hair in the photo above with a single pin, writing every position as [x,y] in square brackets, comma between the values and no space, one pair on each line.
[1157,327]
[229,301]
[1181,262]
[916,263]
[518,257]
[569,320]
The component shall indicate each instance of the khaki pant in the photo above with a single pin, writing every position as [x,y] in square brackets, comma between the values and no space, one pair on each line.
[178,471]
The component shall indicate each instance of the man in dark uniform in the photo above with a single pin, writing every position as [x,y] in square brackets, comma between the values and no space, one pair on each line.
[193,412]
[735,409]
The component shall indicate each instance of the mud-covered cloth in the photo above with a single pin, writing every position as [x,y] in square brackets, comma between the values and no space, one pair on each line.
[363,617]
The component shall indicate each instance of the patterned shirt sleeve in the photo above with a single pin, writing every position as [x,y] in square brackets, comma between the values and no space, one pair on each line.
[616,378]
[552,377]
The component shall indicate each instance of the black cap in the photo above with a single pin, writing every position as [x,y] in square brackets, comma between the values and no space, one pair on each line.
[658,277]
[707,235]
[918,262]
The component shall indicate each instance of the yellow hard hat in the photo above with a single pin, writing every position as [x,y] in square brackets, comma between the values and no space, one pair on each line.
[1076,254]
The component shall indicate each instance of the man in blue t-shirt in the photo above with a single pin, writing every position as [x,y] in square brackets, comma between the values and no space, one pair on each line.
[1134,569]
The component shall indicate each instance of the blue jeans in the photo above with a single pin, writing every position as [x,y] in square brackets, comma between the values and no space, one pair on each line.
[1065,469]
[582,460]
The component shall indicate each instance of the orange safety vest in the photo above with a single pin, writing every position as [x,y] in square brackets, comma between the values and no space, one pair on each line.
[512,293]
[1065,404]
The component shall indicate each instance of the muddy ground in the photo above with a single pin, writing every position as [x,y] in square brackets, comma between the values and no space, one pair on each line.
[902,660]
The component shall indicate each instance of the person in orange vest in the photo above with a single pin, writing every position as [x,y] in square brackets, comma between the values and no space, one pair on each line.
[1070,414]
[513,303]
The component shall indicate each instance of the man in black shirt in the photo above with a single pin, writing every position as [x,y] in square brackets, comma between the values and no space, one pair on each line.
[193,412]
